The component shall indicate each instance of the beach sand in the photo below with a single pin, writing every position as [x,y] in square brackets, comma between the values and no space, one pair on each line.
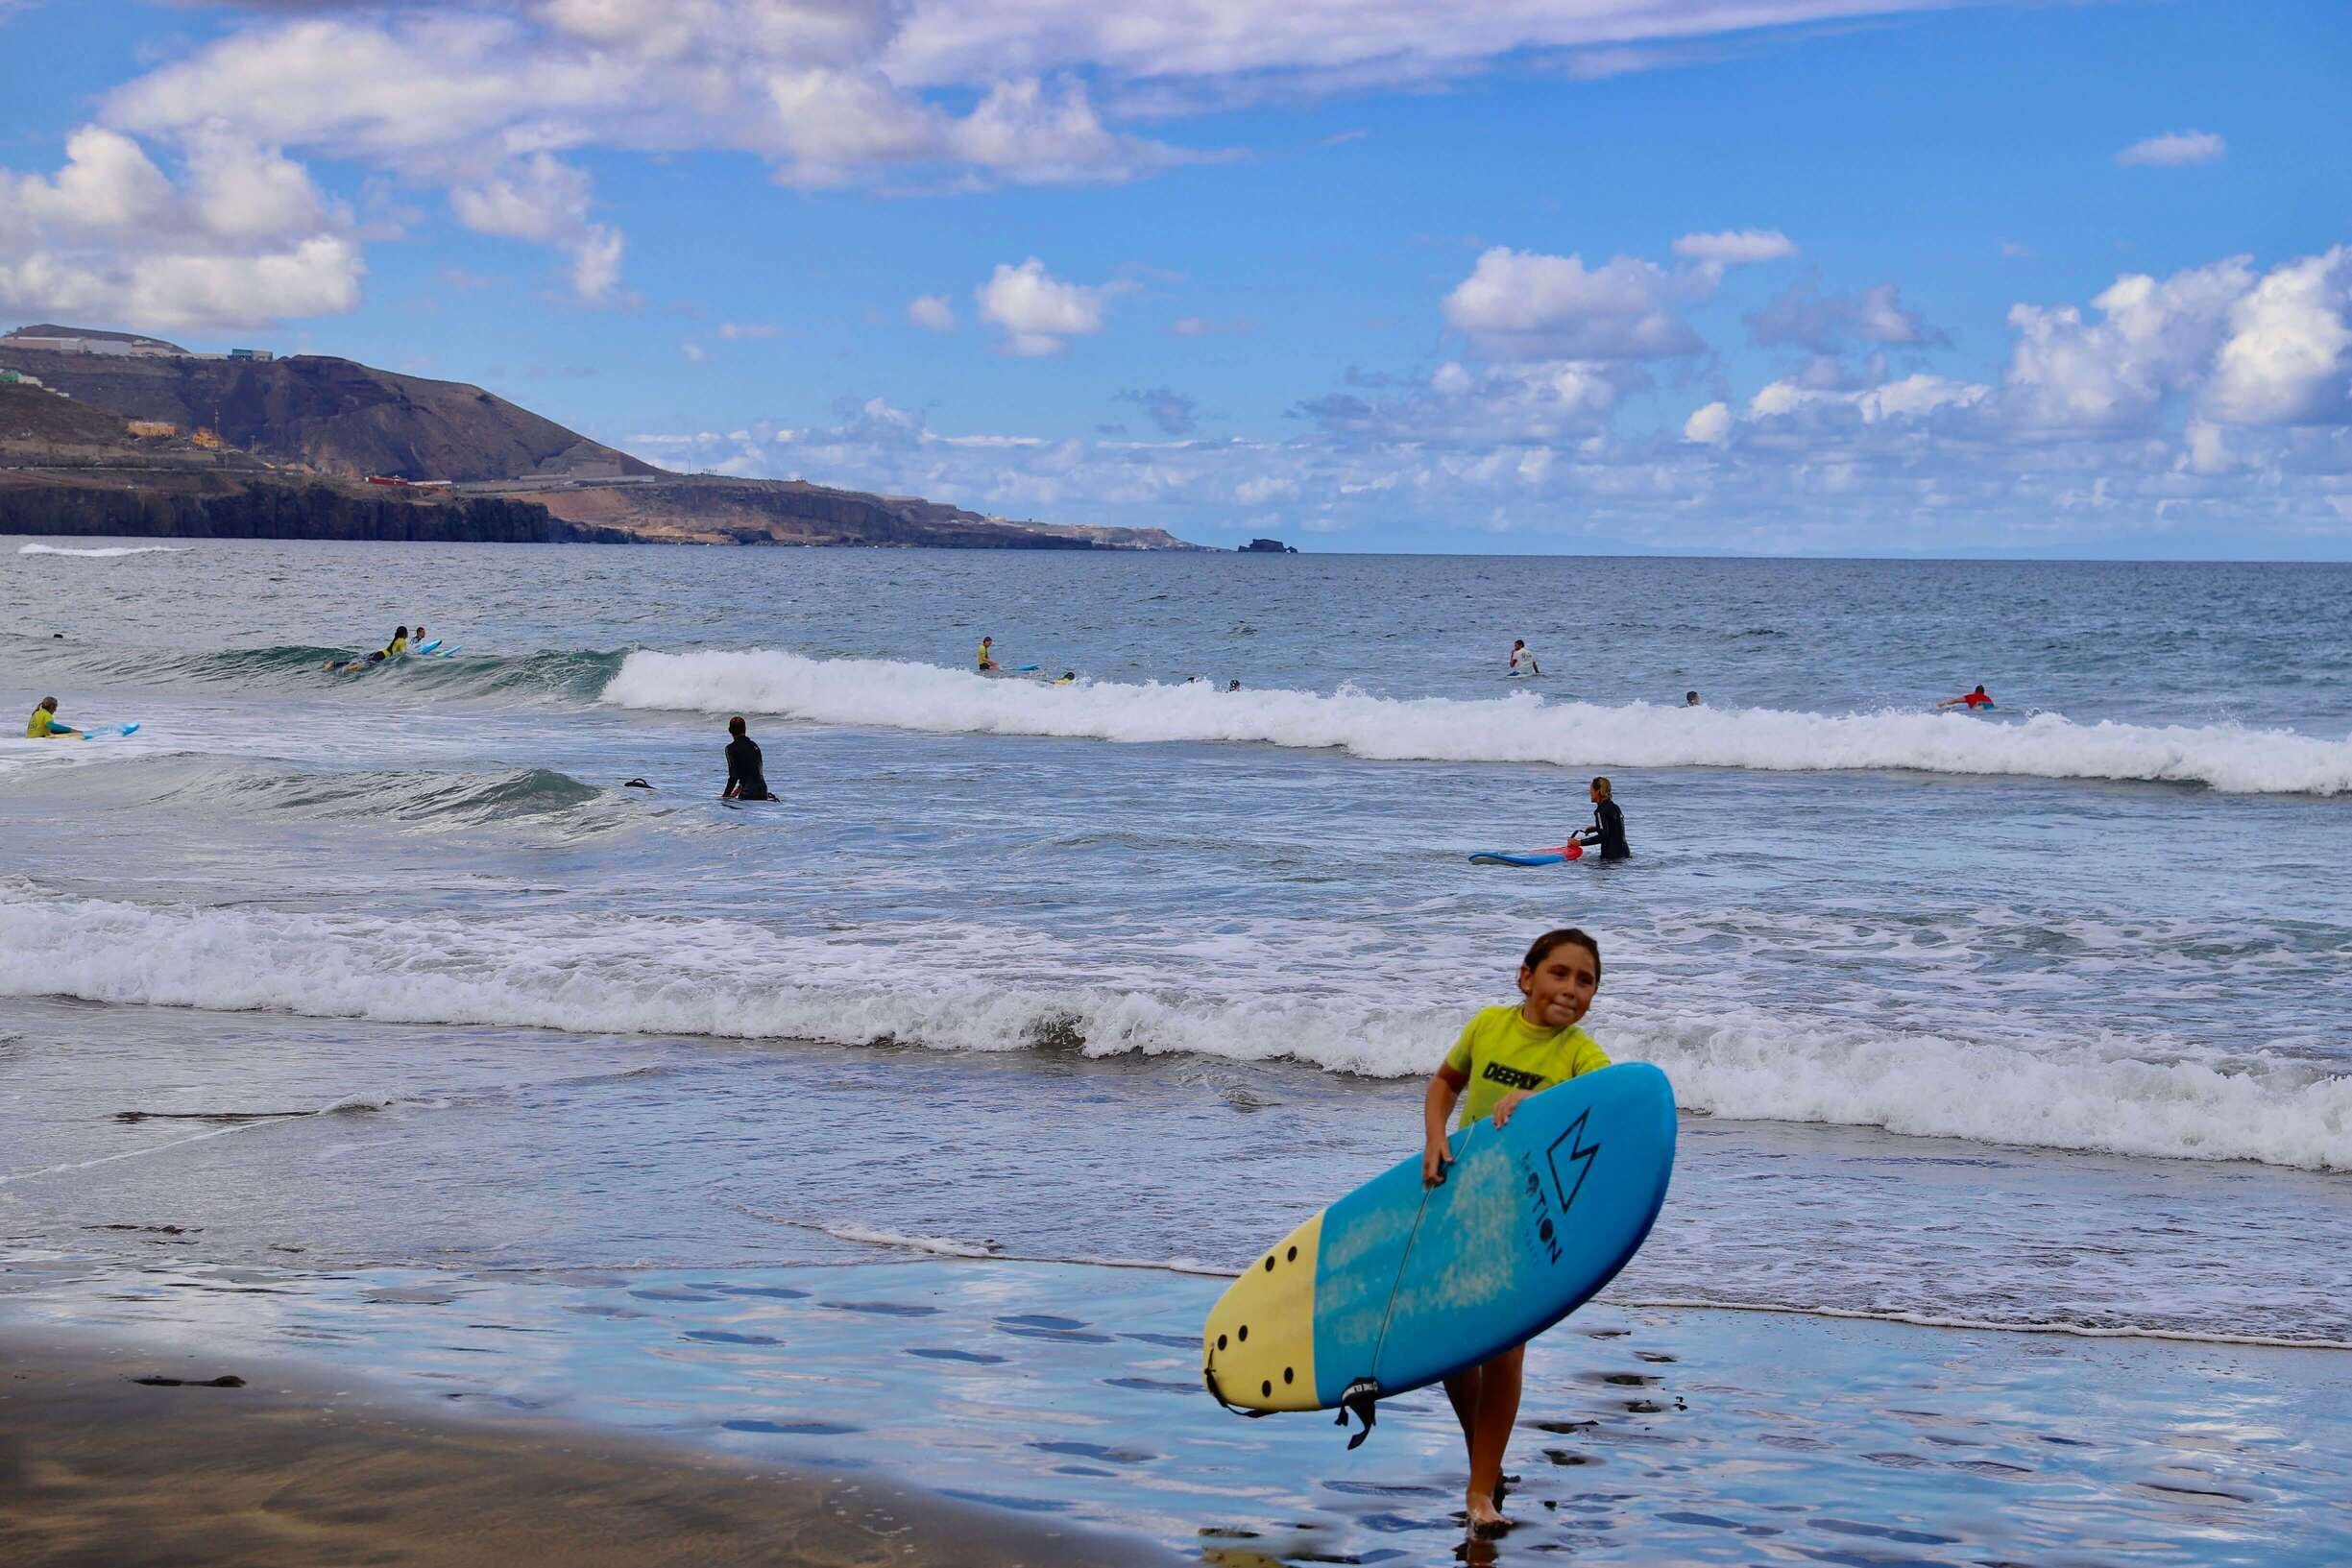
[99,1468]
[798,1415]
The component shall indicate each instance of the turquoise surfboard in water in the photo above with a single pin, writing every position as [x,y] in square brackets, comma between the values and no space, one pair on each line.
[1395,1286]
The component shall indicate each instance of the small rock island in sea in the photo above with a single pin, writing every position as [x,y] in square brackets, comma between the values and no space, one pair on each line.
[1266,546]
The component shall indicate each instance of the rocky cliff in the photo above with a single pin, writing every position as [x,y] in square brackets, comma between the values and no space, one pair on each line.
[198,506]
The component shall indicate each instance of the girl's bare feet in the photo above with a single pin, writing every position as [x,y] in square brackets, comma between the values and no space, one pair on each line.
[1486,1519]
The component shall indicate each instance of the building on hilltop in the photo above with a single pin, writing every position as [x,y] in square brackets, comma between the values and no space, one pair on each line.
[90,340]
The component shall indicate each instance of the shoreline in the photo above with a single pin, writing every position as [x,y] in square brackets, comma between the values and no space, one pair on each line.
[973,1410]
[295,1466]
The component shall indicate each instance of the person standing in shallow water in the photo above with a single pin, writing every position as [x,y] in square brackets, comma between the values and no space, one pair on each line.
[1607,828]
[746,775]
[1504,1055]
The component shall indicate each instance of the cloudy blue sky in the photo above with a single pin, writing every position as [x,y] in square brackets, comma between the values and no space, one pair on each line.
[1852,276]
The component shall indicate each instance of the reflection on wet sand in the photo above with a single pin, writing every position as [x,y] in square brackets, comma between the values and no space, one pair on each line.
[1070,1392]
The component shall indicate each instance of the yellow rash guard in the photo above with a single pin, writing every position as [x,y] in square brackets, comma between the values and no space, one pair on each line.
[1499,1050]
[38,727]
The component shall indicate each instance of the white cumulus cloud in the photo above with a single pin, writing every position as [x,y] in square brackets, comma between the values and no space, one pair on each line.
[2154,338]
[1522,304]
[1040,313]
[2287,359]
[1709,426]
[2174,149]
[546,202]
[1734,246]
[242,238]
[932,313]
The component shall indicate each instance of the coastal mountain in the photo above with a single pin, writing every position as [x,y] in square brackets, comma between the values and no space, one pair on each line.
[67,467]
[182,432]
[334,417]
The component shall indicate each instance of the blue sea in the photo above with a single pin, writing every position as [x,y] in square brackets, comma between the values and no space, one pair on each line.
[2010,1046]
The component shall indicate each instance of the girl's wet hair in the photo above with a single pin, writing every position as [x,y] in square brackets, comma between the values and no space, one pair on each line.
[734,725]
[1564,936]
[1602,785]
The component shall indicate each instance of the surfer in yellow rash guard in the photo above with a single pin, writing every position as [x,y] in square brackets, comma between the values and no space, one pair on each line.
[43,725]
[986,657]
[1504,1055]
[392,649]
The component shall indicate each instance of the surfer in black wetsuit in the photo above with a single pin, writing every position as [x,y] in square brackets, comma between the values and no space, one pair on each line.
[1607,828]
[746,777]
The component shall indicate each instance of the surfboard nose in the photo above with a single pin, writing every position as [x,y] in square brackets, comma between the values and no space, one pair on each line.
[1258,1348]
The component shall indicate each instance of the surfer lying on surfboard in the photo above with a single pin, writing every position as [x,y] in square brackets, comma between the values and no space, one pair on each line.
[394,649]
[1504,1055]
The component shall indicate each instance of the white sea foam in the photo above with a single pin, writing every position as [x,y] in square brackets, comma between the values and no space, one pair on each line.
[1945,1320]
[938,1246]
[1520,727]
[948,1246]
[728,979]
[107,552]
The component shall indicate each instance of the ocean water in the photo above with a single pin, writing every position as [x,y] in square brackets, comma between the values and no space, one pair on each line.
[2029,1021]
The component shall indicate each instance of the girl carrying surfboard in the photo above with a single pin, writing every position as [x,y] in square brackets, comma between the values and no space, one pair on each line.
[1505,1054]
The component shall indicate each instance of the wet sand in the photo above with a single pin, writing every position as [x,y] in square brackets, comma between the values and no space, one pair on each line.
[288,1468]
[1068,1397]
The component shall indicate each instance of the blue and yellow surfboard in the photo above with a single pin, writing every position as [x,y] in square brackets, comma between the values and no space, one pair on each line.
[1395,1286]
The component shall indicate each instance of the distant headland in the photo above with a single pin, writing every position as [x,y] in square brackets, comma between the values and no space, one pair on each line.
[108,432]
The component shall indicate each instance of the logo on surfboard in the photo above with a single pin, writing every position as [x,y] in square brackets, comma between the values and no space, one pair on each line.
[1579,1155]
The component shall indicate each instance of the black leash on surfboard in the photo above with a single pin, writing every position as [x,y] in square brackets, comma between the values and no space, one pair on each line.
[1360,1396]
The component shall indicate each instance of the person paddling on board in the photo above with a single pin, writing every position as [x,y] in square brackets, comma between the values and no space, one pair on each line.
[392,649]
[1504,1055]
[1523,659]
[987,654]
[1607,828]
[1979,698]
[43,725]
[1069,677]
[746,775]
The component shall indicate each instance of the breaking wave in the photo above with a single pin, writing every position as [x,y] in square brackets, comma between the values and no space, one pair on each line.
[576,675]
[107,552]
[457,799]
[730,979]
[1518,728]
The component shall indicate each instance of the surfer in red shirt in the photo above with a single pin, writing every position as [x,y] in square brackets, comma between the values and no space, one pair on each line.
[1979,698]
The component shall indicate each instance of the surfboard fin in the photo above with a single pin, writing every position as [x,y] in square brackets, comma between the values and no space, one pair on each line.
[1358,1401]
